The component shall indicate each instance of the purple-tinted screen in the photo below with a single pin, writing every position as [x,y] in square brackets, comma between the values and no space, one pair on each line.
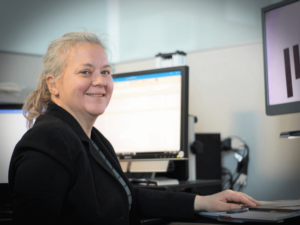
[283,43]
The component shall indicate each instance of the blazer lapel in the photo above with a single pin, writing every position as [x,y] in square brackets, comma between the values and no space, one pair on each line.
[99,159]
[107,150]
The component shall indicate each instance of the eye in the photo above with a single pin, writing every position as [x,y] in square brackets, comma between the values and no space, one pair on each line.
[105,72]
[85,72]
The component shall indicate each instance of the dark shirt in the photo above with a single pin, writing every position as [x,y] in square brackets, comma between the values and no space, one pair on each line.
[56,175]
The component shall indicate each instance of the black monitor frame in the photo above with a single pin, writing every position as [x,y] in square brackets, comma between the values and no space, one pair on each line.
[293,107]
[184,114]
[11,106]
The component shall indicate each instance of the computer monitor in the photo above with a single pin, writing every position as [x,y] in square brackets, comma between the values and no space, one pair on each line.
[147,117]
[281,43]
[12,128]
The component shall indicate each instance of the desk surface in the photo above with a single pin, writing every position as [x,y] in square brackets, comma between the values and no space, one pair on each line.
[184,185]
[203,221]
[207,221]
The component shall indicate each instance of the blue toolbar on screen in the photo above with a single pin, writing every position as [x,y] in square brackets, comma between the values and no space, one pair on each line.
[147,76]
[9,111]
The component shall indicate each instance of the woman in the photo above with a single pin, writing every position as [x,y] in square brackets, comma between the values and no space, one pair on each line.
[64,170]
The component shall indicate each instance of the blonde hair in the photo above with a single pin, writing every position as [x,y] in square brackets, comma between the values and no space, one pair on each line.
[54,63]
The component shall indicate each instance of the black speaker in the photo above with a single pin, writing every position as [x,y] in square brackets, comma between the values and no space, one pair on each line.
[208,161]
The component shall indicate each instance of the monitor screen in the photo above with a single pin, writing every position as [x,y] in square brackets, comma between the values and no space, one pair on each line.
[13,127]
[147,114]
[281,39]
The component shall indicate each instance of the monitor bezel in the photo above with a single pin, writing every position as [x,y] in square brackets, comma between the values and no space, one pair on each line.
[184,116]
[11,106]
[278,109]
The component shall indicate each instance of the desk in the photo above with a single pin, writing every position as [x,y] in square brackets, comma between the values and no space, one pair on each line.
[207,221]
[6,219]
[183,185]
[294,220]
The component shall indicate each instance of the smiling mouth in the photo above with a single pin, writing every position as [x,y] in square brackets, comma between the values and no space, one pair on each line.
[95,95]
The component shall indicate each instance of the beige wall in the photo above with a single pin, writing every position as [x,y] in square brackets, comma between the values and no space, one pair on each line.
[227,95]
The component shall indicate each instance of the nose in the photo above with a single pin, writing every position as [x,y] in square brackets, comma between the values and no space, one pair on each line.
[99,80]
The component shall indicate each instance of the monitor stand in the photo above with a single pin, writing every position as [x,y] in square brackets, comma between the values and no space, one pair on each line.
[160,181]
[155,181]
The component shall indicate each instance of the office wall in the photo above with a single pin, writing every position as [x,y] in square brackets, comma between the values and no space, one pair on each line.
[22,70]
[133,29]
[28,26]
[189,25]
[227,95]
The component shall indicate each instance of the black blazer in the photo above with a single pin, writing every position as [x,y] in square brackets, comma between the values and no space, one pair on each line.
[56,175]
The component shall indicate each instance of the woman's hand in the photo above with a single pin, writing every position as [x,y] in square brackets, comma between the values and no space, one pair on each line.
[219,201]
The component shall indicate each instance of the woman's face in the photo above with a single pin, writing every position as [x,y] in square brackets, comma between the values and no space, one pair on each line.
[86,86]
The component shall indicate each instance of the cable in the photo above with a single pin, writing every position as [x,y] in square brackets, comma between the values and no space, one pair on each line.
[226,172]
[239,177]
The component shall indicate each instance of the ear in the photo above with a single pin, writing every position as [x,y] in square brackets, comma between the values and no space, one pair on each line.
[50,80]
